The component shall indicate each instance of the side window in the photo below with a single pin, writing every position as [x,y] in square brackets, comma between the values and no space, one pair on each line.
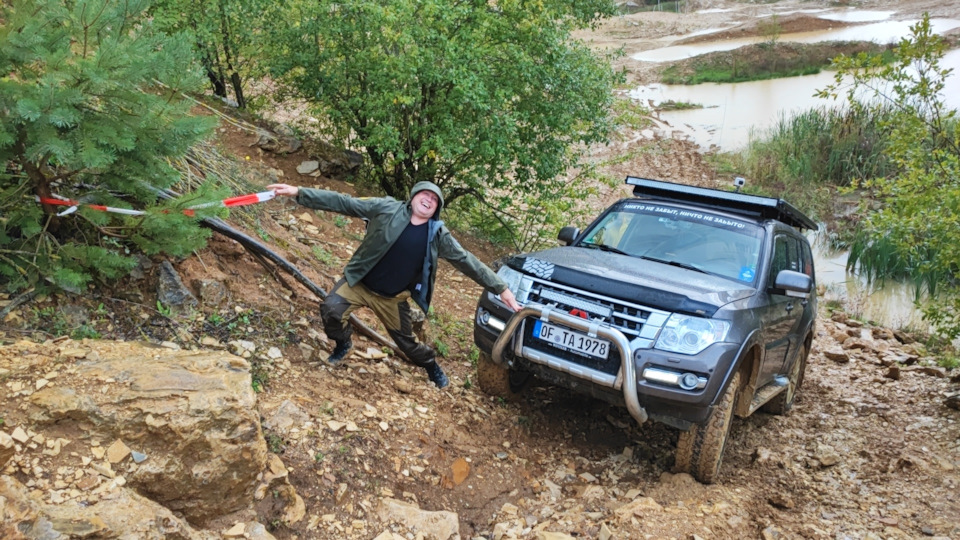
[786,256]
[807,259]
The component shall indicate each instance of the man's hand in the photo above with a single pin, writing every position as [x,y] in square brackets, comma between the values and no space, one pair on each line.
[510,300]
[284,189]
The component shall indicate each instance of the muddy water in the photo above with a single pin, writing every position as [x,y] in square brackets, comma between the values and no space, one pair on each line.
[889,303]
[733,111]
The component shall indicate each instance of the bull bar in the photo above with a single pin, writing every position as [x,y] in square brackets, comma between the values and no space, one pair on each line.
[626,379]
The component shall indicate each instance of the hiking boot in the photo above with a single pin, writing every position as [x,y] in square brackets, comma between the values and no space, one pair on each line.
[436,375]
[340,352]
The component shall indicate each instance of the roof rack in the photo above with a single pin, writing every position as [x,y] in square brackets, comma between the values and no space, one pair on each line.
[728,201]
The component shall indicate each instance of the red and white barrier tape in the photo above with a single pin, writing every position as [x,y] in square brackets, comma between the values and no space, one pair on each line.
[241,200]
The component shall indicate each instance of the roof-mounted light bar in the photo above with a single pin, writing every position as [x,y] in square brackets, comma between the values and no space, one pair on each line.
[728,201]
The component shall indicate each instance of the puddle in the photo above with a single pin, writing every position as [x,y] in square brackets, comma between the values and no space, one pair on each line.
[881,32]
[732,111]
[704,32]
[785,13]
[854,16]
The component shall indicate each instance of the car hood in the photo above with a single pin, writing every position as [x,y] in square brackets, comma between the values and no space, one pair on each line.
[635,280]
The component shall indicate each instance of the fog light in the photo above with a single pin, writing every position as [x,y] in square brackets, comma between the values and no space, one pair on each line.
[689,381]
[686,381]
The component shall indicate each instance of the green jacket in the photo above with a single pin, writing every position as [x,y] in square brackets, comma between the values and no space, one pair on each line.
[388,217]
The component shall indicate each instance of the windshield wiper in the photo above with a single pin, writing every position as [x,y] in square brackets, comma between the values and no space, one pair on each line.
[604,247]
[679,264]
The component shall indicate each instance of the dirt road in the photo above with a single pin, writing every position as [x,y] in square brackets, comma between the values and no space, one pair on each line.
[870,450]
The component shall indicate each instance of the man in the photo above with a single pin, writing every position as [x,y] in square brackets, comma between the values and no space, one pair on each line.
[396,260]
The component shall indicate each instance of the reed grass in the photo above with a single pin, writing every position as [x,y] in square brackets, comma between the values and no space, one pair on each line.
[804,157]
[835,146]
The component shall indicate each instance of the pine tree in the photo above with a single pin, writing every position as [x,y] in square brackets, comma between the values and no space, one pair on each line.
[90,110]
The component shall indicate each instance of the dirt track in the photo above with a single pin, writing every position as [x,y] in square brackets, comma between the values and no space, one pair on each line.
[870,451]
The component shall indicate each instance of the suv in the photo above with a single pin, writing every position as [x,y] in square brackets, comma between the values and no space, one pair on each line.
[686,305]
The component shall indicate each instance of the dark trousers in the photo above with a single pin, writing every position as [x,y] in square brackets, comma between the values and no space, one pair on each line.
[393,312]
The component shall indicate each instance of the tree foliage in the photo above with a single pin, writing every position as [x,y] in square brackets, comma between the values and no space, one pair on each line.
[225,35]
[83,117]
[913,231]
[487,99]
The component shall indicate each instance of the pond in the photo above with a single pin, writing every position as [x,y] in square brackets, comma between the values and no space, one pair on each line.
[731,112]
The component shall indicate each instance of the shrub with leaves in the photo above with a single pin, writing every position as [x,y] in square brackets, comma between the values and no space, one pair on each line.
[487,100]
[89,111]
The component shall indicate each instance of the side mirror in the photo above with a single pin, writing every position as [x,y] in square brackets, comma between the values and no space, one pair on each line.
[793,283]
[568,234]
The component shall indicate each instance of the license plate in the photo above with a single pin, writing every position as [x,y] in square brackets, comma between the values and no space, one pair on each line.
[570,340]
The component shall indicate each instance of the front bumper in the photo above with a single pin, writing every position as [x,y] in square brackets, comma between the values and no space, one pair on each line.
[644,398]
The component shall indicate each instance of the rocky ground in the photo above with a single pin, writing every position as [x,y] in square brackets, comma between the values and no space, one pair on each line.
[154,437]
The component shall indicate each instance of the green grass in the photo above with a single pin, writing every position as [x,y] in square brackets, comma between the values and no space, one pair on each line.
[762,61]
[324,256]
[671,105]
[737,73]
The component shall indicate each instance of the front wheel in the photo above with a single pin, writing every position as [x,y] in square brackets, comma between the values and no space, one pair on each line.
[499,381]
[700,450]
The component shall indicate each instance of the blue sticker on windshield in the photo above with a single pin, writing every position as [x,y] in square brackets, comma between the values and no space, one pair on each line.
[746,274]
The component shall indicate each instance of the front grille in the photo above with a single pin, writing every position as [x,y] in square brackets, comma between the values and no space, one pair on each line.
[639,324]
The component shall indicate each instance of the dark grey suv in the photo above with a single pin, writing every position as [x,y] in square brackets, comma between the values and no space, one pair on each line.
[686,305]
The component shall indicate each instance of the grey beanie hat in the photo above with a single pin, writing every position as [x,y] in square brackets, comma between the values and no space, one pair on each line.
[430,186]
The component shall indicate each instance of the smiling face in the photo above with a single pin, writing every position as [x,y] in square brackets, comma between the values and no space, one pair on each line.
[424,205]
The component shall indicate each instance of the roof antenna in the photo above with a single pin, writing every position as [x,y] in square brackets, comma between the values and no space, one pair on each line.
[739,182]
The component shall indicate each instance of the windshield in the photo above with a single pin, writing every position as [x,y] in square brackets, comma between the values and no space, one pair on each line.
[703,241]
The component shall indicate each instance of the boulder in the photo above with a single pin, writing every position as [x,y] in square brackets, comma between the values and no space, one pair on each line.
[837,355]
[121,514]
[333,161]
[190,416]
[171,291]
[283,142]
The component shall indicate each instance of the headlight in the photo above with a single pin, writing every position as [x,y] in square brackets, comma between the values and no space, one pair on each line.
[690,335]
[511,277]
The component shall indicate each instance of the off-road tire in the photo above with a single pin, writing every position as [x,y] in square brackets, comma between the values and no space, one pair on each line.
[494,379]
[783,402]
[700,450]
